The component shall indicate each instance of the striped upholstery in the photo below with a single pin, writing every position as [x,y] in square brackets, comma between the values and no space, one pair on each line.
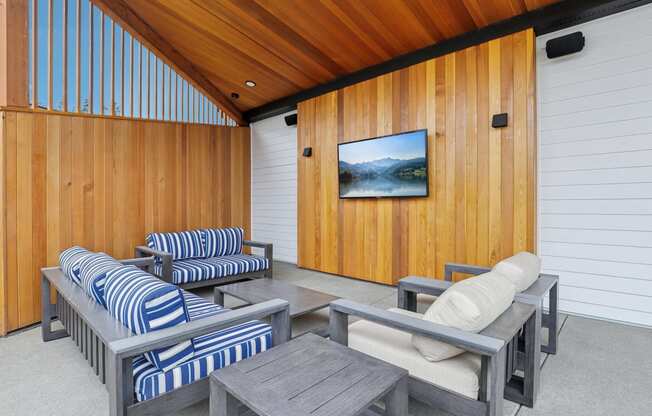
[199,307]
[144,303]
[183,245]
[93,269]
[69,261]
[195,270]
[212,352]
[223,241]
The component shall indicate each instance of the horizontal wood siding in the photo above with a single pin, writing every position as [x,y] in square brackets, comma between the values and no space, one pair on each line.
[104,183]
[274,186]
[595,192]
[481,206]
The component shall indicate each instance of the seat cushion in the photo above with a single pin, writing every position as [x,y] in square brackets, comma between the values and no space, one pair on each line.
[223,241]
[212,352]
[182,245]
[69,261]
[521,269]
[460,374]
[93,269]
[470,305]
[143,303]
[195,270]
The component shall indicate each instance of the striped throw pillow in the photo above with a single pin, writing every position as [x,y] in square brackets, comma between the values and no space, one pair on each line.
[223,241]
[182,245]
[144,304]
[70,259]
[92,272]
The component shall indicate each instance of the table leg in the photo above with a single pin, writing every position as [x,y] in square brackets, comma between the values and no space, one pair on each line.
[218,297]
[221,402]
[396,401]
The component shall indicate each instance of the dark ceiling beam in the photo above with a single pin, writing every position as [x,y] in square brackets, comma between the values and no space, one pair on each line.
[551,18]
[122,11]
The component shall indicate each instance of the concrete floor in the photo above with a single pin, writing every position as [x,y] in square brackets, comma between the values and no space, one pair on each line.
[601,368]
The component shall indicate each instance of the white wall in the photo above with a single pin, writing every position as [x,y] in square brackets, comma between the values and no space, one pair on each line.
[595,168]
[274,186]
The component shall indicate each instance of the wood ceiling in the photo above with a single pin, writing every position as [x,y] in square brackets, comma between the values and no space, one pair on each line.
[286,46]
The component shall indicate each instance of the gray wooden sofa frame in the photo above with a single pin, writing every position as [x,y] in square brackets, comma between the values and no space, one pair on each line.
[110,347]
[492,344]
[166,260]
[546,284]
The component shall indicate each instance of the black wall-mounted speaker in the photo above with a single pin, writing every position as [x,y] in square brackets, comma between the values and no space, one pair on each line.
[499,120]
[307,151]
[565,45]
[291,120]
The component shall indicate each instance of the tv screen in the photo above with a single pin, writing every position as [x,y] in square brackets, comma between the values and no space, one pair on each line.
[382,167]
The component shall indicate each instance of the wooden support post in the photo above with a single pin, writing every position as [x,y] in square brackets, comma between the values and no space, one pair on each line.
[14,51]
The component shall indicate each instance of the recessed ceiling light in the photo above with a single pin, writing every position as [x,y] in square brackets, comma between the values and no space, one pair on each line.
[250,83]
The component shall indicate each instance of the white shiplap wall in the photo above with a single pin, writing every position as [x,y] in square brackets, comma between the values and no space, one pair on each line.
[595,168]
[274,186]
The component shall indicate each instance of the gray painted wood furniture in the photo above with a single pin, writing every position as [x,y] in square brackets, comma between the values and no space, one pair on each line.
[545,285]
[309,376]
[166,269]
[492,345]
[110,347]
[301,300]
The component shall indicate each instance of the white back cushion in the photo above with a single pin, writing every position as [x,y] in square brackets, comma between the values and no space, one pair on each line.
[470,305]
[521,269]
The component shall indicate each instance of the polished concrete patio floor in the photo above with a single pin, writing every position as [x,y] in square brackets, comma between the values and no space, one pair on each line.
[601,368]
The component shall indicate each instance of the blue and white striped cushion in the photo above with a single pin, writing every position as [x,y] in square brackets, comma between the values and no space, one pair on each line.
[92,272]
[213,351]
[199,308]
[223,241]
[195,270]
[69,261]
[182,245]
[144,304]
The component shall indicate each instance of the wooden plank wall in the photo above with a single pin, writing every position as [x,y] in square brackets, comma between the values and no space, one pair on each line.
[103,183]
[481,206]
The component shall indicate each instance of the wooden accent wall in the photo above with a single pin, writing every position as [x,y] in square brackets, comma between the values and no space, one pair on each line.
[103,183]
[481,206]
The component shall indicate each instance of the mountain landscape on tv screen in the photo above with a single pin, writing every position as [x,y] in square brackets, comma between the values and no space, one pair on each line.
[384,177]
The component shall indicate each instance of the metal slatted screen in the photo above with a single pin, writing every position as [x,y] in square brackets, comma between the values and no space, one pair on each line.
[83,61]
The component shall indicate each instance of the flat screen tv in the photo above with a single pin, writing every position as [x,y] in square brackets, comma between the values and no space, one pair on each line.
[384,167]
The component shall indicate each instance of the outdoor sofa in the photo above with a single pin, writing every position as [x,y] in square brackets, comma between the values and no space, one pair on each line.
[152,343]
[206,257]
[542,287]
[473,373]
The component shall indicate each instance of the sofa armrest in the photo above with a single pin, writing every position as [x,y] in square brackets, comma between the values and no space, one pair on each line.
[166,260]
[269,254]
[450,268]
[409,287]
[277,309]
[146,263]
[341,309]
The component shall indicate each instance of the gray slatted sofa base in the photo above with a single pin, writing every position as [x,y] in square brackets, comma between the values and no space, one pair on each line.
[109,347]
[167,263]
[491,344]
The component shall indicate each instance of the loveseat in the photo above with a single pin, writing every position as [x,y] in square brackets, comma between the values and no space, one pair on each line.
[206,257]
[153,343]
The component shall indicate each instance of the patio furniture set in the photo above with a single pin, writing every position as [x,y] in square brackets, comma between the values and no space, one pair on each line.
[159,348]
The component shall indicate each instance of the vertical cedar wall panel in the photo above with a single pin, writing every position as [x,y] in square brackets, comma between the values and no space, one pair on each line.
[104,183]
[481,206]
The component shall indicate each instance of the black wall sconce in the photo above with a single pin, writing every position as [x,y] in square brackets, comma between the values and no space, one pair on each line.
[307,151]
[499,120]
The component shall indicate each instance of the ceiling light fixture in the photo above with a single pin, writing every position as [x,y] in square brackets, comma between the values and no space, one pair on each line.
[250,83]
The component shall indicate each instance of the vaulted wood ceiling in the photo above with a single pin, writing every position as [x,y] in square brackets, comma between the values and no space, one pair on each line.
[286,46]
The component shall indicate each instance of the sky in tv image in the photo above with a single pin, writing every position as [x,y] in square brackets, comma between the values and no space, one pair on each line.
[393,166]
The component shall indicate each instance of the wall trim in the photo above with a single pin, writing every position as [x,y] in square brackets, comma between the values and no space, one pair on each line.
[545,20]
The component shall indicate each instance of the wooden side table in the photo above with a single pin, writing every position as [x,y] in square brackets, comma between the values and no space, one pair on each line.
[309,376]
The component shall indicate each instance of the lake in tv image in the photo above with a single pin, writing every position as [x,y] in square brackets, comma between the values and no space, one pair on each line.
[392,166]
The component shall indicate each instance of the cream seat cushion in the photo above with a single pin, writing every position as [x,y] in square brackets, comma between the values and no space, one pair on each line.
[521,269]
[470,305]
[460,374]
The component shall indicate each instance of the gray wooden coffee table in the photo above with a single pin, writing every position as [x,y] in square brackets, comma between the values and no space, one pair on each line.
[309,376]
[301,300]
